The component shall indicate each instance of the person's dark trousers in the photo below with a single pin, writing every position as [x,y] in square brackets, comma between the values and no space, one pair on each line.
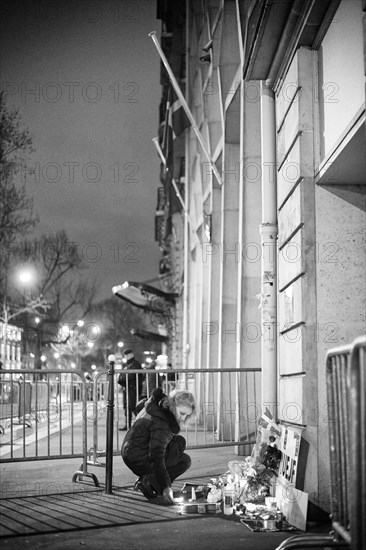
[176,461]
[130,407]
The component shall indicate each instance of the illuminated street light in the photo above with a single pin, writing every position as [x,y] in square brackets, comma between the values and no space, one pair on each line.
[120,344]
[26,276]
[43,358]
[65,330]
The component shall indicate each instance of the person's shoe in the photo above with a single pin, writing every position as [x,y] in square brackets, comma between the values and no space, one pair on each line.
[123,429]
[143,485]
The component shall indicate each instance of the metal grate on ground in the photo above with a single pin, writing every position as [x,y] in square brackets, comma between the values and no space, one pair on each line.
[52,513]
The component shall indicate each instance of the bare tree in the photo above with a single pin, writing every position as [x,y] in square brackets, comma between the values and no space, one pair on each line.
[118,321]
[61,293]
[60,270]
[59,283]
[16,208]
[60,266]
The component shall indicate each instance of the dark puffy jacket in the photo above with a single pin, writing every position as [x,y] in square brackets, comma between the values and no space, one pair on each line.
[149,436]
[132,364]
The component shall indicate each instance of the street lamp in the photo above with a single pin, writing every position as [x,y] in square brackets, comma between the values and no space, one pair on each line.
[26,276]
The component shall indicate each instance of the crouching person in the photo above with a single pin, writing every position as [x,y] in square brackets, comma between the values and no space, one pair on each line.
[152,448]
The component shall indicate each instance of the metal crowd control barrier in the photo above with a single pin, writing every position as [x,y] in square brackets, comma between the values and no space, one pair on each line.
[358,444]
[9,402]
[228,407]
[346,394]
[53,414]
[43,415]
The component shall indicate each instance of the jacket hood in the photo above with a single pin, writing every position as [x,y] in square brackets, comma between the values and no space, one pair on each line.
[158,405]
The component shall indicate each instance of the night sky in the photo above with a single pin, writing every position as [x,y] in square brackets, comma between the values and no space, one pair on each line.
[86,79]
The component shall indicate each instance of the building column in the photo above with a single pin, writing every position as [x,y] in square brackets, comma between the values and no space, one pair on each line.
[268,232]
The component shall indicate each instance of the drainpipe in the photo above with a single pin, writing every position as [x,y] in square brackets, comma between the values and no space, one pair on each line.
[268,232]
[185,339]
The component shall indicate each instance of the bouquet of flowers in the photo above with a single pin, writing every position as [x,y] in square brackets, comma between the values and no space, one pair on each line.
[253,476]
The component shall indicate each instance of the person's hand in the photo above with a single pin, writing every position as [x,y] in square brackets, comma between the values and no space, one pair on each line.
[168,495]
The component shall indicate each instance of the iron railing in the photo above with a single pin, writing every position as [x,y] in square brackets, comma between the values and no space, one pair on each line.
[53,414]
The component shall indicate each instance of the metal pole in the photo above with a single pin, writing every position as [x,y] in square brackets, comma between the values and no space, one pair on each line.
[110,425]
[185,106]
[163,160]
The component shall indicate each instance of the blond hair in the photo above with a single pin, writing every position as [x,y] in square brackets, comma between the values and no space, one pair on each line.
[182,397]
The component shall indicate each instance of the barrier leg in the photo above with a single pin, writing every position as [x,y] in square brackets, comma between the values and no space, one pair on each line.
[110,422]
[83,471]
[311,541]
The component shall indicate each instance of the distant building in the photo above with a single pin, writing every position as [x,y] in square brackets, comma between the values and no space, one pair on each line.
[270,257]
[10,346]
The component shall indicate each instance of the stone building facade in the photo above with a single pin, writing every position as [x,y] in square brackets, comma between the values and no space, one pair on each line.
[269,257]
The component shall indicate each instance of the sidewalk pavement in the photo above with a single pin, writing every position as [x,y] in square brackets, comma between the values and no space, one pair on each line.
[41,508]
